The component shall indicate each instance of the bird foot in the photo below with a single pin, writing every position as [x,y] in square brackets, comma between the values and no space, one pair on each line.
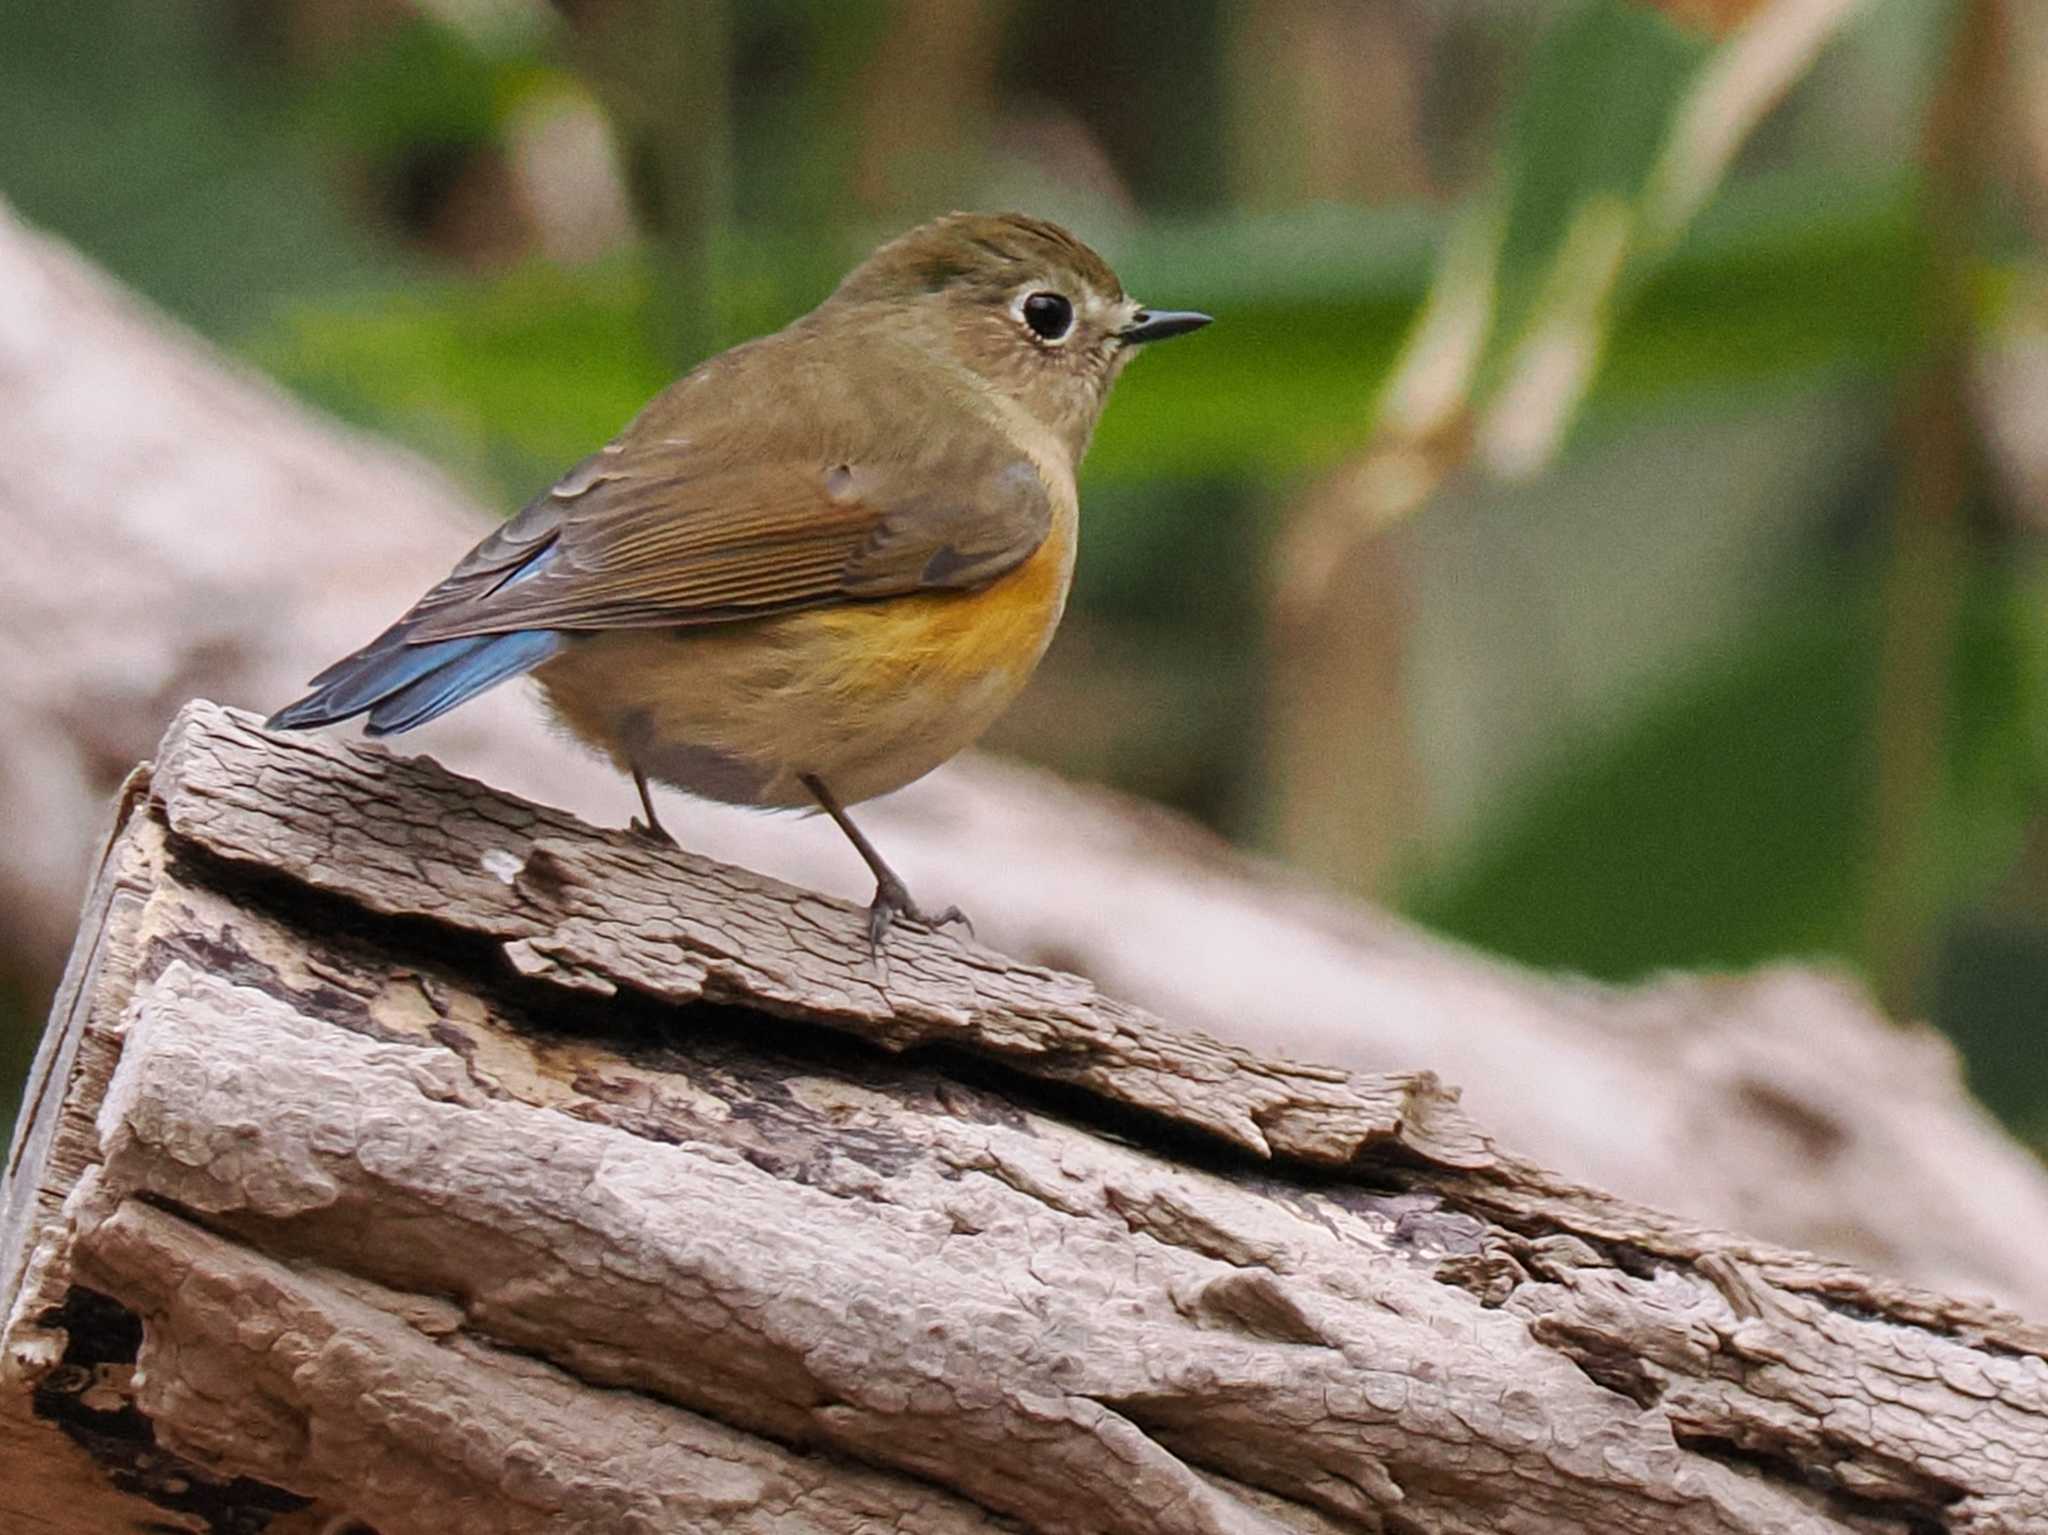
[892,904]
[651,831]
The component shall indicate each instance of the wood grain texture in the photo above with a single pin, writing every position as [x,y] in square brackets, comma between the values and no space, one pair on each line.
[409,1154]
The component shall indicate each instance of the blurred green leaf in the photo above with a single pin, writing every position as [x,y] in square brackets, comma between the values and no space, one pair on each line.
[508,380]
[1726,823]
[132,137]
[1995,770]
[1590,121]
[1784,277]
[1986,996]
[420,85]
[1286,378]
[1721,825]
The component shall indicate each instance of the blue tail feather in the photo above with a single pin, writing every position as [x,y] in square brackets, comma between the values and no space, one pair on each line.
[462,678]
[377,671]
[401,685]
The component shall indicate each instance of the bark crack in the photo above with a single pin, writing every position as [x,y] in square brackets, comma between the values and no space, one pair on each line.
[1915,1515]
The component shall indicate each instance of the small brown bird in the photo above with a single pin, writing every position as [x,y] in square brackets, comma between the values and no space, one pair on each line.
[819,565]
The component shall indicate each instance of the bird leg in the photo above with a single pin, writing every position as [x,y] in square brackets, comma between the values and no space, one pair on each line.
[651,828]
[892,897]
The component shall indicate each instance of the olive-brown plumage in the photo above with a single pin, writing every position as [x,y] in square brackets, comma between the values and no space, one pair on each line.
[820,564]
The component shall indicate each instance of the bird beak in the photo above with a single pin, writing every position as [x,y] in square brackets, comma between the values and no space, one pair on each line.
[1158,324]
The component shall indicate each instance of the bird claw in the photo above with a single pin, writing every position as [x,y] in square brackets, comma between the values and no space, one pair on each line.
[892,904]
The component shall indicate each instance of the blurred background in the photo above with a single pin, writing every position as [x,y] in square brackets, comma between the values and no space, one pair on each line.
[1606,523]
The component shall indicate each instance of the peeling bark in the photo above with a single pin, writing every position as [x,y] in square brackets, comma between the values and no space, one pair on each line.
[406,1153]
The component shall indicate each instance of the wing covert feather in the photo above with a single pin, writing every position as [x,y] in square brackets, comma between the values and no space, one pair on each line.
[655,536]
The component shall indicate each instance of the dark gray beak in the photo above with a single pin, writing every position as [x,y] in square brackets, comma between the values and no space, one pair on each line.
[1158,324]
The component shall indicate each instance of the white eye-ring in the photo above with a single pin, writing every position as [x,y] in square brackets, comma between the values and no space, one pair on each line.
[1047,315]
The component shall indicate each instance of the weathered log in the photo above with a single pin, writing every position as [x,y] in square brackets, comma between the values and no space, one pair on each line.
[243,542]
[403,1152]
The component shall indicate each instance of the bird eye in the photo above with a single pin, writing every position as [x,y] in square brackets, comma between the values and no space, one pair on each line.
[1049,315]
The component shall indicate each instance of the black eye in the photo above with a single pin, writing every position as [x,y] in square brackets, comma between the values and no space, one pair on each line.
[1049,315]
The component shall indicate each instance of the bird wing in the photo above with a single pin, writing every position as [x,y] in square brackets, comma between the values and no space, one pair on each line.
[654,533]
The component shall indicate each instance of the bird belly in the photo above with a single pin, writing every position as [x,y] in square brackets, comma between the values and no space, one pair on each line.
[868,696]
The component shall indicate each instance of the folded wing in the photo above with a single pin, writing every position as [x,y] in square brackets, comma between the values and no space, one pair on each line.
[652,533]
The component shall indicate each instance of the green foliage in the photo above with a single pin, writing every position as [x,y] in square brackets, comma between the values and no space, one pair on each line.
[1590,121]
[1789,276]
[1994,730]
[1727,823]
[421,86]
[1719,827]
[510,380]
[1986,993]
[132,137]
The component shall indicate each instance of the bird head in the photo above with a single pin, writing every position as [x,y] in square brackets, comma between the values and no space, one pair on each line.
[1018,303]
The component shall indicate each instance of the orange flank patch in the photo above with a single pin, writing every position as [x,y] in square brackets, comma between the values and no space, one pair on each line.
[956,637]
[867,695]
